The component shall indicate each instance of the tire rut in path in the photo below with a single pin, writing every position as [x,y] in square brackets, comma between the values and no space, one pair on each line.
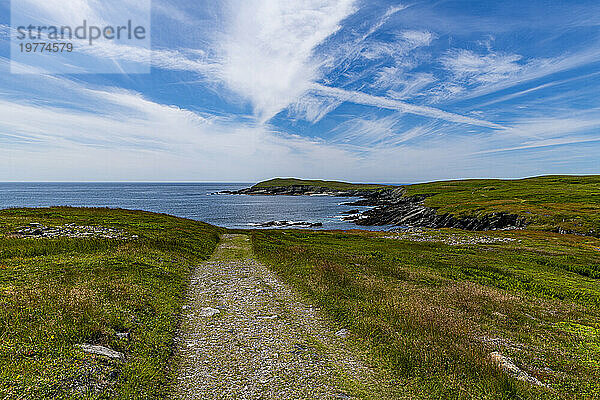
[246,335]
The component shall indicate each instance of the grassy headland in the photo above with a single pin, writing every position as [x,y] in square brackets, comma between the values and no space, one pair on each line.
[571,203]
[551,203]
[58,292]
[333,185]
[433,306]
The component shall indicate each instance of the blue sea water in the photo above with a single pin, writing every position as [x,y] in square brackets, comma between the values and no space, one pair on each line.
[189,200]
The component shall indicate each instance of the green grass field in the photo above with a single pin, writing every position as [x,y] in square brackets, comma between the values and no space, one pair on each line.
[428,307]
[549,202]
[56,293]
[432,312]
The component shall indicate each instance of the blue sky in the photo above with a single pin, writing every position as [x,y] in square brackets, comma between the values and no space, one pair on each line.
[379,91]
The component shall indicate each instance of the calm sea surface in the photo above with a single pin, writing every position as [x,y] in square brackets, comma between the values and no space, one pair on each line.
[189,200]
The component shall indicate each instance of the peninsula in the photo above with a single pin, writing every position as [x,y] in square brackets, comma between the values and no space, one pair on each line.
[563,204]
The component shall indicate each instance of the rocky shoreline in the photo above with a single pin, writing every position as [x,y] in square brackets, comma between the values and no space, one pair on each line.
[37,230]
[289,224]
[392,207]
[298,190]
[398,210]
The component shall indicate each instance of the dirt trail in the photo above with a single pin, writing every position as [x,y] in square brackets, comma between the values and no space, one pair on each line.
[246,335]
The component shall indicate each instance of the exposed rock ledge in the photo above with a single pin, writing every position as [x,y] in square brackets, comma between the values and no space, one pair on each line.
[395,209]
[299,190]
[392,207]
[37,230]
[289,224]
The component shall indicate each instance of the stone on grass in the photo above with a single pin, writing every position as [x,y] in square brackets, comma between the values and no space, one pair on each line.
[208,311]
[101,351]
[343,333]
[506,364]
[268,317]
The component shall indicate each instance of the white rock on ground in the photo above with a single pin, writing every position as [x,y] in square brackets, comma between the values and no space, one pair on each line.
[510,368]
[343,333]
[208,311]
[101,351]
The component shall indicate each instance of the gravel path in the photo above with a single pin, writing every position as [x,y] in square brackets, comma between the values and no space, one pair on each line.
[246,335]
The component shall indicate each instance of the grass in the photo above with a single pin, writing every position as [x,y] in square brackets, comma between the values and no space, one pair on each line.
[334,185]
[551,203]
[431,313]
[571,203]
[56,293]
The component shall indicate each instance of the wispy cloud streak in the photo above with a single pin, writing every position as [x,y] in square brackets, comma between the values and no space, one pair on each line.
[397,105]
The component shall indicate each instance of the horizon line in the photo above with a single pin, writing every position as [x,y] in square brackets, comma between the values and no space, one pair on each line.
[324,179]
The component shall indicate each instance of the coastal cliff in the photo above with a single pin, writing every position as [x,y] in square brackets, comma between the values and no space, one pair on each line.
[399,210]
[391,205]
[565,204]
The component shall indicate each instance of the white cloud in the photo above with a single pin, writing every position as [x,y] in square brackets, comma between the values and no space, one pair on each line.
[404,43]
[544,143]
[74,12]
[553,125]
[266,48]
[169,9]
[56,12]
[5,32]
[473,68]
[494,71]
[391,104]
[417,38]
[369,134]
[550,130]
[174,60]
[383,20]
[313,107]
[266,53]
[400,84]
[445,90]
[124,135]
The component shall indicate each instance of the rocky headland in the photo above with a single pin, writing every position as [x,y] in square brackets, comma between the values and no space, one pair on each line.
[391,206]
[300,190]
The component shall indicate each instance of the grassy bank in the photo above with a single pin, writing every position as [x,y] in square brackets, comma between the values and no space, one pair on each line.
[570,203]
[59,292]
[432,307]
[550,203]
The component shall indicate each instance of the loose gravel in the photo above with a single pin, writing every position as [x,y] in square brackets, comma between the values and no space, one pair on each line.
[246,335]
[425,235]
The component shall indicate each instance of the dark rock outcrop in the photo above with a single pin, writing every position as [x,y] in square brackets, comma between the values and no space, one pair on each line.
[410,211]
[299,190]
[289,224]
[391,207]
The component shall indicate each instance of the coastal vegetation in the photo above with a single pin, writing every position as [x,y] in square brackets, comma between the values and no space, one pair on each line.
[566,203]
[333,185]
[124,293]
[560,203]
[438,308]
[447,313]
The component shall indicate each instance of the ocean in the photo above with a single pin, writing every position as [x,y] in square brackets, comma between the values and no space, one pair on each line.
[189,200]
